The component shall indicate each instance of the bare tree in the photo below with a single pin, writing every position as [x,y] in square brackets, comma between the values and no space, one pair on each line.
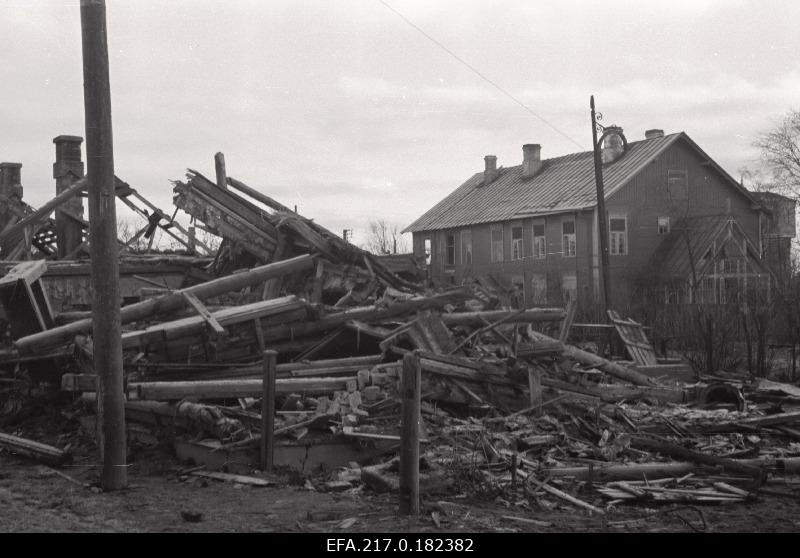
[780,152]
[383,238]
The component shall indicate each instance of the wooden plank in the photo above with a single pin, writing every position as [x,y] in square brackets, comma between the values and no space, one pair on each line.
[238,479]
[566,325]
[201,309]
[632,334]
[168,302]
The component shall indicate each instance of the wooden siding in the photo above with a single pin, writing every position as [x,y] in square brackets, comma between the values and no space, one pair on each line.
[644,199]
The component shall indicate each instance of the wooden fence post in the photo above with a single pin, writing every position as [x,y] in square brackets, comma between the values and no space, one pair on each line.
[409,435]
[268,411]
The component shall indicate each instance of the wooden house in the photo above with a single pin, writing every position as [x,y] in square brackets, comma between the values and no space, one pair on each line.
[681,229]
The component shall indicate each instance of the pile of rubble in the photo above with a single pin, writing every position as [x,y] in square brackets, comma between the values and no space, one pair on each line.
[509,407]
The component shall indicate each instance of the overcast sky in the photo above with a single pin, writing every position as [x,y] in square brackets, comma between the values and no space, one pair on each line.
[348,111]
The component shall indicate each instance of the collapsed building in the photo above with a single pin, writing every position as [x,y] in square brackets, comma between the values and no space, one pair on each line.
[500,383]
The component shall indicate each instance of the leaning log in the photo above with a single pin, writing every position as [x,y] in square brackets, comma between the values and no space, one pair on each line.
[34,450]
[169,302]
[607,366]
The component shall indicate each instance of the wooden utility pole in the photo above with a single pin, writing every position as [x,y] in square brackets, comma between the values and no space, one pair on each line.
[602,227]
[409,434]
[103,245]
[268,411]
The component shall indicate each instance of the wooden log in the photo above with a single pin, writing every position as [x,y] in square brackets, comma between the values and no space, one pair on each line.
[194,325]
[680,452]
[479,319]
[267,445]
[652,470]
[168,302]
[610,368]
[611,393]
[232,389]
[34,450]
[365,314]
[409,435]
[769,420]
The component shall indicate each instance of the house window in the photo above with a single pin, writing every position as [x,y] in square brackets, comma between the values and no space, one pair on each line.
[539,289]
[618,235]
[663,225]
[497,243]
[516,242]
[466,246]
[427,244]
[678,184]
[568,238]
[518,281]
[450,248]
[539,242]
[569,287]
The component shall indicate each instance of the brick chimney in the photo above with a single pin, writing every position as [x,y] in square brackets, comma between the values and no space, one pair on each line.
[654,133]
[490,170]
[11,179]
[531,159]
[67,169]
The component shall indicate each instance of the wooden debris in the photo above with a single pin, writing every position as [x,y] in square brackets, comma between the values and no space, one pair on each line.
[238,479]
[34,450]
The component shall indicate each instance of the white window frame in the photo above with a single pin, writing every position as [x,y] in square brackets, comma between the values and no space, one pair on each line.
[569,244]
[618,240]
[539,242]
[466,246]
[517,244]
[663,225]
[427,248]
[496,256]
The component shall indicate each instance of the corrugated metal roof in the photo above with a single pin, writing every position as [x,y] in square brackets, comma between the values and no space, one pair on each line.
[562,184]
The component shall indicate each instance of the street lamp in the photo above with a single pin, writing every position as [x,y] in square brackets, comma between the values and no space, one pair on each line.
[614,145]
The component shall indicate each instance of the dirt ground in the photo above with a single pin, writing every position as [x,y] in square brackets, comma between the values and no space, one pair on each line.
[162,498]
[33,498]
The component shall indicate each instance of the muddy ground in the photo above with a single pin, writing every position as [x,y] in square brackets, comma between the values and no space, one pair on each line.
[162,498]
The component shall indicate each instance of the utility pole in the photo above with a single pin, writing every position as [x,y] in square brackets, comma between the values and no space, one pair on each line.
[602,226]
[103,245]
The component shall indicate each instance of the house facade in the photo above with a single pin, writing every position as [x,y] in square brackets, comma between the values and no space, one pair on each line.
[536,224]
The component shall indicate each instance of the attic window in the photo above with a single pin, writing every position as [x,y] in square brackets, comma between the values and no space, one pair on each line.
[678,184]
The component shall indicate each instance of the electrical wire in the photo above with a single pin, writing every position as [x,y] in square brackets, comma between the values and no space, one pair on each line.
[480,74]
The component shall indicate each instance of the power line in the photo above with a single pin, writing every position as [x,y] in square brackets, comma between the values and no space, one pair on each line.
[479,74]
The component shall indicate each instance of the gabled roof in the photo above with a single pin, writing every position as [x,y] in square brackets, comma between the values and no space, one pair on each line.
[689,242]
[563,184]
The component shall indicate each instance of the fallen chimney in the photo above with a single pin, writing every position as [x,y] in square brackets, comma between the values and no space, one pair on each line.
[531,159]
[654,133]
